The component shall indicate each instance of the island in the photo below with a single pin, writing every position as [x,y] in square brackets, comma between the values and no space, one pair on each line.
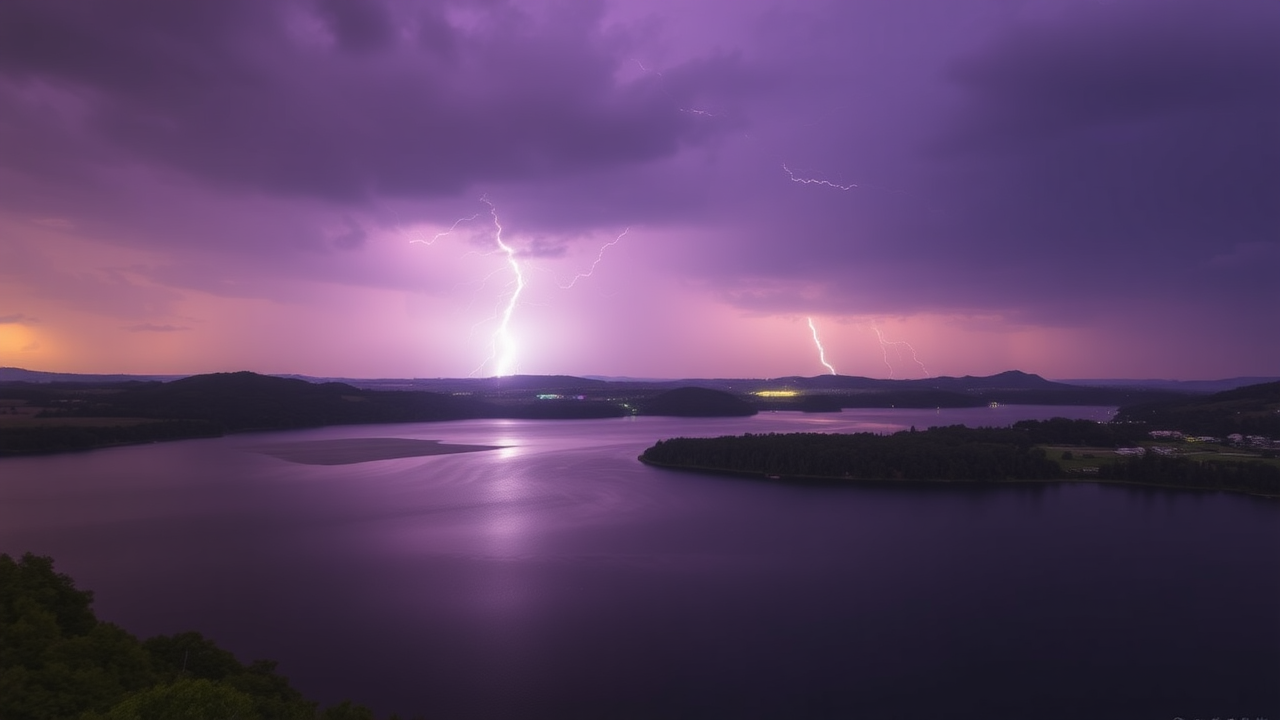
[1141,448]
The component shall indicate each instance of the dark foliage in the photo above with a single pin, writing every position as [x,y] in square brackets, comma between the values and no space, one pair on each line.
[955,453]
[1249,410]
[1085,433]
[893,398]
[950,453]
[26,440]
[247,401]
[565,410]
[57,660]
[211,405]
[697,402]
[1155,469]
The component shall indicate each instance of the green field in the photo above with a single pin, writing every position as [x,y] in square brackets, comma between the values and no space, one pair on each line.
[1087,460]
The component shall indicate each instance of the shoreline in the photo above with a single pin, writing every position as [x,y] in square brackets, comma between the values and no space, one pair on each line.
[829,481]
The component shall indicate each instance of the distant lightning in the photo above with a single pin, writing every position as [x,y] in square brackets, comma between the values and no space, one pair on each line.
[815,181]
[663,88]
[898,345]
[503,345]
[822,354]
[599,257]
[645,69]
[439,235]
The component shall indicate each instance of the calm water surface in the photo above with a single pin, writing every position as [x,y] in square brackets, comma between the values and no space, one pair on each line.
[558,577]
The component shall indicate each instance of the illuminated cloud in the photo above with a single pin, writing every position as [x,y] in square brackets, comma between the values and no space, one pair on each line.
[1000,184]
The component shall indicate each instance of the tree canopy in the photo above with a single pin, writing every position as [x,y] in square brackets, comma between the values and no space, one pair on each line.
[57,660]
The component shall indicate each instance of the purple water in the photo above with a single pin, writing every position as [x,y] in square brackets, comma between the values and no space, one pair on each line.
[561,578]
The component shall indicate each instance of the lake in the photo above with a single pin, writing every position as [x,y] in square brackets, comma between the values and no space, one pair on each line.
[557,576]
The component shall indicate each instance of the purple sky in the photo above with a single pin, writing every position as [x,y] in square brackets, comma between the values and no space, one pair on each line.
[1076,189]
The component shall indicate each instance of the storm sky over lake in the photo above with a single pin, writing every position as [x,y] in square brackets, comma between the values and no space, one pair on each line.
[656,189]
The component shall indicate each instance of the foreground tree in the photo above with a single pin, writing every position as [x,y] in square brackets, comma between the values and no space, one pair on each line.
[57,660]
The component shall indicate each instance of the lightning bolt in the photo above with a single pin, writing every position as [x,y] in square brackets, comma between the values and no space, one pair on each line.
[439,235]
[599,257]
[503,346]
[897,344]
[645,69]
[822,354]
[662,86]
[815,181]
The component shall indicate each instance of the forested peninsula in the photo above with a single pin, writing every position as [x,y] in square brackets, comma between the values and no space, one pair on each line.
[1028,451]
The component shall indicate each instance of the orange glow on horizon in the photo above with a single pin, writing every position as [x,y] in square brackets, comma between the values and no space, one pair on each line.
[15,339]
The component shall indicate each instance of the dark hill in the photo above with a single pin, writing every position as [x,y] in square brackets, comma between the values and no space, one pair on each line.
[697,402]
[247,401]
[12,374]
[1007,380]
[1250,410]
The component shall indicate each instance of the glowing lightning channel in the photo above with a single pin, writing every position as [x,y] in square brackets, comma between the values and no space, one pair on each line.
[502,340]
[599,257]
[884,348]
[822,354]
[439,235]
[663,88]
[502,345]
[815,181]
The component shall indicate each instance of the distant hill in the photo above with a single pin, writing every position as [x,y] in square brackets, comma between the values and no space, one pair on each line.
[12,374]
[245,400]
[1007,380]
[1182,386]
[49,412]
[1249,410]
[525,395]
[697,402]
[834,391]
[1012,388]
[57,416]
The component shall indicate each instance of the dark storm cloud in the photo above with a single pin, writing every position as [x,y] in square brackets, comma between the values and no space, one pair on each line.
[358,27]
[1125,146]
[1115,65]
[1057,167]
[1148,127]
[346,100]
[1045,163]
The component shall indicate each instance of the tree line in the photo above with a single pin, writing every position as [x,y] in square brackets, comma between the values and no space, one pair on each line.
[1155,469]
[62,438]
[58,660]
[955,453]
[1249,410]
[948,453]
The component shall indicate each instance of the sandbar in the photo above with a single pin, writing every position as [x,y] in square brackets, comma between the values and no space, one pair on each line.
[358,450]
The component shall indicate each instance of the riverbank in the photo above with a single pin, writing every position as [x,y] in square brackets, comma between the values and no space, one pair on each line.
[845,481]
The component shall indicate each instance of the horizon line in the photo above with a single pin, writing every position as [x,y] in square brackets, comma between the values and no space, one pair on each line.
[629,378]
